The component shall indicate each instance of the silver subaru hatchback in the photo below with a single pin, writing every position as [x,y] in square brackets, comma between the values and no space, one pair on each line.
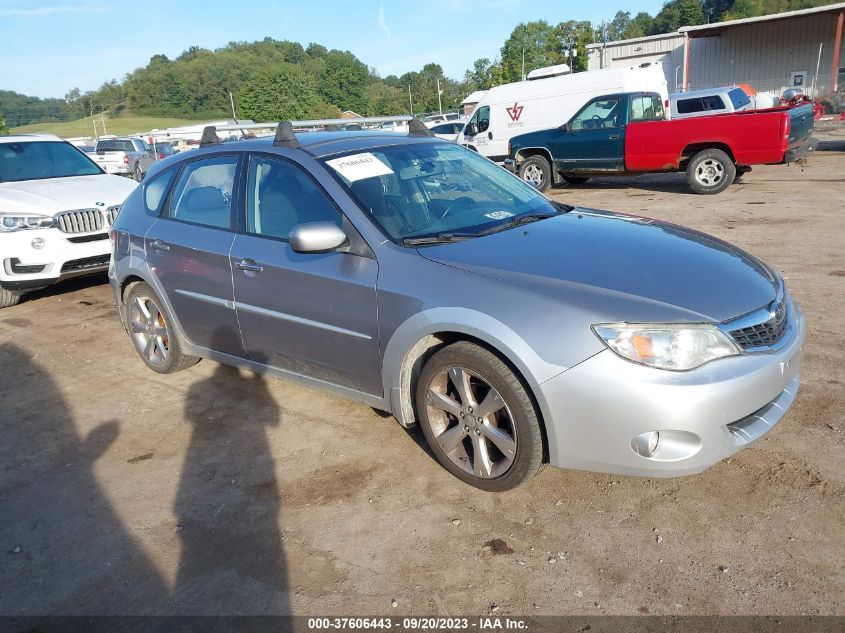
[422,279]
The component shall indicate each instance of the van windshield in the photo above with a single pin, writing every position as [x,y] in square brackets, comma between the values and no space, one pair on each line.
[38,160]
[432,189]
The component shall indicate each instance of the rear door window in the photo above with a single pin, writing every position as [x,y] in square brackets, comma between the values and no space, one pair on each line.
[203,193]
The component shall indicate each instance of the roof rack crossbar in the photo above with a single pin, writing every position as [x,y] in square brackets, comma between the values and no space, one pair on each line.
[209,136]
[319,122]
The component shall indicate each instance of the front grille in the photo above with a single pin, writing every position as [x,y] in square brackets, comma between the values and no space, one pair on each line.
[763,334]
[80,221]
[96,237]
[85,263]
[111,214]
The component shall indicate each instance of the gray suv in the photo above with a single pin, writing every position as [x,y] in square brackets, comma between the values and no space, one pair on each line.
[422,279]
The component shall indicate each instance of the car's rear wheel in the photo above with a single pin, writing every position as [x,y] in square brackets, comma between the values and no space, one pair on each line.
[8,298]
[152,333]
[710,171]
[536,170]
[478,418]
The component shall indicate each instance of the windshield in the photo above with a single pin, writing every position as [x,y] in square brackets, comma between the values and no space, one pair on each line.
[423,190]
[37,160]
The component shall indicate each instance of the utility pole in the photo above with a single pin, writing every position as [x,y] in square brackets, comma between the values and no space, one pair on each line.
[523,63]
[410,100]
[439,92]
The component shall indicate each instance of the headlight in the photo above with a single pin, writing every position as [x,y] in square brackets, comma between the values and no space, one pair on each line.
[678,347]
[21,221]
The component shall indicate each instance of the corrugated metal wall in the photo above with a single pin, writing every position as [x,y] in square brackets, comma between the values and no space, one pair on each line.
[667,49]
[766,54]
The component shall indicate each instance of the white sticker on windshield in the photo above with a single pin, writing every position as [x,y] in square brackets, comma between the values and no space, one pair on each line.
[498,215]
[359,166]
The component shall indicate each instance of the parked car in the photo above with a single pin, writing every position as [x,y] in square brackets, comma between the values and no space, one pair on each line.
[55,207]
[529,106]
[449,131]
[627,133]
[441,118]
[709,102]
[163,150]
[125,156]
[424,280]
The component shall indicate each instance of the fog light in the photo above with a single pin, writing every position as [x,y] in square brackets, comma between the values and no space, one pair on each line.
[666,446]
[38,243]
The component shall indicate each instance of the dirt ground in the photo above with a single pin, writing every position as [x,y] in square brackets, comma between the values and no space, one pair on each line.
[218,492]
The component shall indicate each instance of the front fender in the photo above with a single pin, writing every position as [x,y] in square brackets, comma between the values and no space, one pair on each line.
[397,371]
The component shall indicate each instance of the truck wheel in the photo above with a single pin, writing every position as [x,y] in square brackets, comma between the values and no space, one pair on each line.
[575,180]
[8,298]
[137,175]
[536,170]
[478,418]
[710,171]
[151,330]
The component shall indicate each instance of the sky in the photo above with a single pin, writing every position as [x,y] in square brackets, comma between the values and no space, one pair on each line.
[47,48]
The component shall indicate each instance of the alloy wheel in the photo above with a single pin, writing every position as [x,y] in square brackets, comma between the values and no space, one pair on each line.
[533,174]
[471,422]
[149,330]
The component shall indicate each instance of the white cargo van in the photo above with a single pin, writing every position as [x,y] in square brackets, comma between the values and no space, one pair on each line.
[539,104]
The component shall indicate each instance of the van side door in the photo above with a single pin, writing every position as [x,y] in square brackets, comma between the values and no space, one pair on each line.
[592,141]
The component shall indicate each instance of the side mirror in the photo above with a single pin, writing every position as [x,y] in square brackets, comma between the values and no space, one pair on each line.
[316,237]
[566,127]
[470,130]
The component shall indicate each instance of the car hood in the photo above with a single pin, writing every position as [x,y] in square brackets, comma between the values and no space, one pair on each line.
[628,268]
[51,195]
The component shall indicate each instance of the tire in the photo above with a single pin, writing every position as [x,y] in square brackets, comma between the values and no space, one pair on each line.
[536,170]
[711,171]
[497,450]
[151,333]
[575,180]
[8,298]
[137,174]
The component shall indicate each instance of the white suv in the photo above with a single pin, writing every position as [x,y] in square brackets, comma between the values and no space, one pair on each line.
[56,206]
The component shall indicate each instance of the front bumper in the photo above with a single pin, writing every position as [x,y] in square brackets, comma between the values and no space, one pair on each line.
[23,267]
[595,411]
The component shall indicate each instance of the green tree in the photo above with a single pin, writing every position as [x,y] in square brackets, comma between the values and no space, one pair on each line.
[576,35]
[540,44]
[281,93]
[677,13]
[640,26]
[3,129]
[619,25]
[383,99]
[343,80]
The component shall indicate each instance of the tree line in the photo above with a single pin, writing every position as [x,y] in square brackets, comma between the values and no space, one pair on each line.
[272,79]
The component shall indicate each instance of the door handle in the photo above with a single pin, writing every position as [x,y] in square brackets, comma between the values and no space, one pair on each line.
[613,137]
[159,245]
[490,135]
[249,265]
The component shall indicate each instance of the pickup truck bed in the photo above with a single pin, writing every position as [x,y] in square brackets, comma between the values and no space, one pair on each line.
[752,137]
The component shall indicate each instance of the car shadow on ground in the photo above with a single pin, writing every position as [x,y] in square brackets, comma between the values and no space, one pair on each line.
[65,548]
[67,286]
[663,183]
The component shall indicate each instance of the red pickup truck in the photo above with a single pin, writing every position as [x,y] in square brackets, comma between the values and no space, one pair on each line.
[629,133]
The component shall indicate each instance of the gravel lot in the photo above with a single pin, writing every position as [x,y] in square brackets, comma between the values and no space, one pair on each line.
[218,492]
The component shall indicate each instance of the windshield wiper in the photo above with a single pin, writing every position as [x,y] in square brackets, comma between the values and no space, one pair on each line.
[523,219]
[440,238]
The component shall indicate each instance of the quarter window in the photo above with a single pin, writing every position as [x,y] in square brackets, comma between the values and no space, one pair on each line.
[155,190]
[280,196]
[203,193]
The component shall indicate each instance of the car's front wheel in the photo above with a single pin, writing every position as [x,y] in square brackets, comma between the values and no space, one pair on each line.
[478,418]
[152,333]
[8,298]
[137,174]
[536,170]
